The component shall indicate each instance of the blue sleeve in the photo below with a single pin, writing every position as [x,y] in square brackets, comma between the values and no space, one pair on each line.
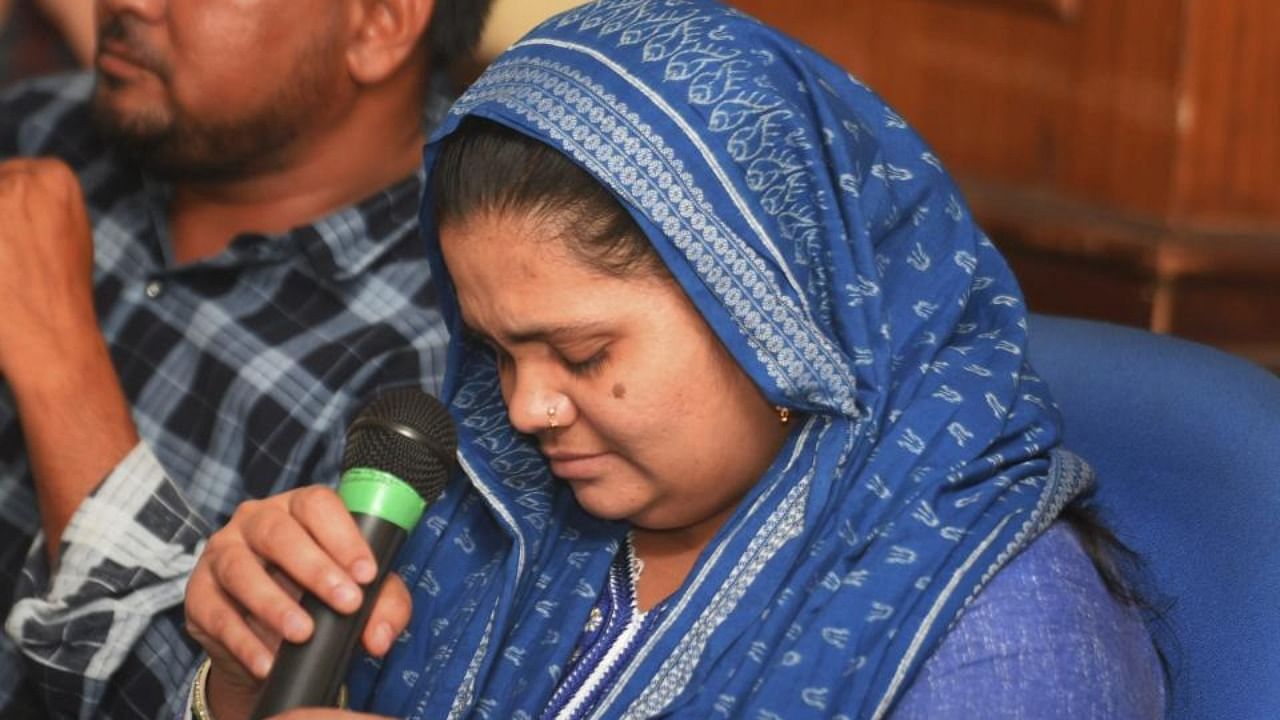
[1043,640]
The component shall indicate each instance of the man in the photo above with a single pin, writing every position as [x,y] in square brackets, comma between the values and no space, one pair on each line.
[219,270]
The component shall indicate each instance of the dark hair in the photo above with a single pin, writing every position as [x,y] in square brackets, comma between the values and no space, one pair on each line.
[1117,564]
[1124,574]
[486,167]
[454,30]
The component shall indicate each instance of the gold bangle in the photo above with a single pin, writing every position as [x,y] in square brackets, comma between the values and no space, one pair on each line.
[200,692]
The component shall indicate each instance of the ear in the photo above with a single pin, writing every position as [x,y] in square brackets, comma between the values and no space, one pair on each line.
[385,34]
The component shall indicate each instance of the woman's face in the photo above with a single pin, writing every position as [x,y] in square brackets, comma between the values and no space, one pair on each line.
[655,422]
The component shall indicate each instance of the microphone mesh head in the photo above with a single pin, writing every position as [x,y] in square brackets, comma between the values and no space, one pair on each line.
[408,434]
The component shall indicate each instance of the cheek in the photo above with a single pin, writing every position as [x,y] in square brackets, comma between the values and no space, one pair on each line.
[228,54]
[650,415]
[204,30]
[658,401]
[207,86]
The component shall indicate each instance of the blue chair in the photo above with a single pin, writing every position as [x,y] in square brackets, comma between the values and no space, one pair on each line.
[1186,444]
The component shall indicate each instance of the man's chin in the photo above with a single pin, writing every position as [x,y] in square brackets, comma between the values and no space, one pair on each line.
[141,99]
[148,138]
[161,137]
[124,114]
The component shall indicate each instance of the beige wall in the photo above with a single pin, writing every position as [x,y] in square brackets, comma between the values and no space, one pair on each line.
[511,19]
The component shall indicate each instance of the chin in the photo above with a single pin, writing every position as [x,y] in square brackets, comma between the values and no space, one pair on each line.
[126,118]
[130,102]
[600,503]
[606,511]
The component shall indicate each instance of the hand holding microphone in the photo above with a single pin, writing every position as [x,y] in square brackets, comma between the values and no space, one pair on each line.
[241,597]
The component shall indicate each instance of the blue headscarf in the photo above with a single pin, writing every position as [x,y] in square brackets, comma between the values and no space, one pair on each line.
[829,251]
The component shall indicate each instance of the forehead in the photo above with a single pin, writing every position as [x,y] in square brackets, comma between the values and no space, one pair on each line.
[513,261]
[513,271]
[522,243]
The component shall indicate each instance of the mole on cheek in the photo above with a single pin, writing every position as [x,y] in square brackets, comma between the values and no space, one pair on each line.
[619,390]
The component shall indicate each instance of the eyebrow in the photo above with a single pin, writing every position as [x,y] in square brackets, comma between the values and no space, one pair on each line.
[538,333]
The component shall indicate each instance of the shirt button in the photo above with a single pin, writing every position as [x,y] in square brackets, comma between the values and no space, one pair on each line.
[154,288]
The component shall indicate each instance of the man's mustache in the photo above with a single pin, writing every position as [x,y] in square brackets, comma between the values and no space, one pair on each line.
[124,34]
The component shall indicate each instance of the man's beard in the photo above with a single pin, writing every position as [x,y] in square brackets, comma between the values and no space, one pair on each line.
[189,149]
[177,145]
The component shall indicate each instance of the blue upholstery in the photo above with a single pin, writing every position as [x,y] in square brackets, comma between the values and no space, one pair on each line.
[1186,443]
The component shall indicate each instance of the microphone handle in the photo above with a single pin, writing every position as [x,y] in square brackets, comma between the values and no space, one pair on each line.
[310,674]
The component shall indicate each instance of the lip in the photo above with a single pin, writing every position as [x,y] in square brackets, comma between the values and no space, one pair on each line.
[576,466]
[116,60]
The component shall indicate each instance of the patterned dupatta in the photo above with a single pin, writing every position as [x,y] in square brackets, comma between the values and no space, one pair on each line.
[833,256]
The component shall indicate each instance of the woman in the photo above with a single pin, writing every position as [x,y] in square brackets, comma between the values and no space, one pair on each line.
[744,417]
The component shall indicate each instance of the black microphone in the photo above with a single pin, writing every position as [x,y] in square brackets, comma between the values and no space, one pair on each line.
[399,452]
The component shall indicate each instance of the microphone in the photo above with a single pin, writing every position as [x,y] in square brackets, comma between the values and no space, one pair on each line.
[399,452]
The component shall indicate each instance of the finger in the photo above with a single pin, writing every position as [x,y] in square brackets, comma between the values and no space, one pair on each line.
[291,588]
[241,576]
[389,617]
[267,634]
[269,637]
[279,538]
[323,513]
[215,621]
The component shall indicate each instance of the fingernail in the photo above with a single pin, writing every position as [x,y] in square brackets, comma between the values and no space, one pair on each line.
[346,594]
[296,626]
[363,570]
[262,666]
[381,637]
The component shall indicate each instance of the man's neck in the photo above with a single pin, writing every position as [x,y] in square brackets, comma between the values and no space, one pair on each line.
[347,164]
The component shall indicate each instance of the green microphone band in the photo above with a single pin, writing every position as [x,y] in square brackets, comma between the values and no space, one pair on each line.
[383,495]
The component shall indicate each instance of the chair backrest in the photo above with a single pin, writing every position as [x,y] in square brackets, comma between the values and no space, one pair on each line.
[1186,444]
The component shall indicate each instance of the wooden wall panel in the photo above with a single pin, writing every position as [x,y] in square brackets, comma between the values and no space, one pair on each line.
[1229,169]
[1082,105]
[1057,8]
[1119,134]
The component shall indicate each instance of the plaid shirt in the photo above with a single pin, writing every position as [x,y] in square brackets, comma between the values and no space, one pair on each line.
[242,371]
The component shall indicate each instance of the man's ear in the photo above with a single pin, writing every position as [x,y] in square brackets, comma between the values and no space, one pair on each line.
[385,34]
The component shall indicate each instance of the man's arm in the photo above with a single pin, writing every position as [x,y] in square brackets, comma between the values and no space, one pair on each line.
[73,413]
[105,629]
[77,428]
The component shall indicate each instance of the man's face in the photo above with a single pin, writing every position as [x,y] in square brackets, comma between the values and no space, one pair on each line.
[213,89]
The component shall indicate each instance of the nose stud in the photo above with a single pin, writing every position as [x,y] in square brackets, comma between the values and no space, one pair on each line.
[551,418]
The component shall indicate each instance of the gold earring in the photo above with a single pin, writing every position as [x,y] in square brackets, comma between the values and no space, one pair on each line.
[551,418]
[784,414]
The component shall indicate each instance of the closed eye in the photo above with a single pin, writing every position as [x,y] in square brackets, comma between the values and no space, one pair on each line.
[589,366]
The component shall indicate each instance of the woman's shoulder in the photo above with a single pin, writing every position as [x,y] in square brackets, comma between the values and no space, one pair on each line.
[1044,639]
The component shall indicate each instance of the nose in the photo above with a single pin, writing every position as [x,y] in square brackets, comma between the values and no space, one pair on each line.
[148,10]
[535,405]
